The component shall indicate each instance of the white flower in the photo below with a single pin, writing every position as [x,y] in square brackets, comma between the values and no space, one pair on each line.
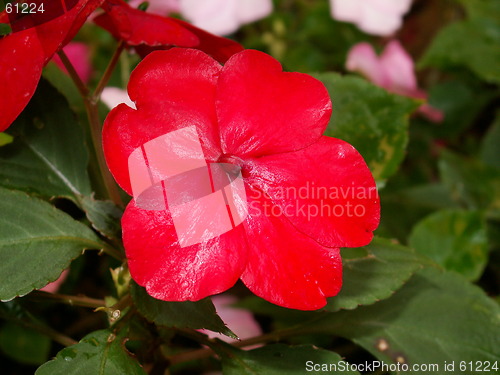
[377,17]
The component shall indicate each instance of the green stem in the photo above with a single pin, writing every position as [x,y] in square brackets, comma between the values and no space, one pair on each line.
[96,135]
[91,108]
[107,73]
[42,328]
[84,91]
[208,352]
[82,301]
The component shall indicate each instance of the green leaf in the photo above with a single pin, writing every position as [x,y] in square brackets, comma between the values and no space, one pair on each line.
[489,9]
[5,139]
[490,152]
[105,216]
[63,83]
[48,155]
[24,345]
[470,181]
[436,317]
[37,242]
[472,44]
[195,315]
[462,102]
[456,240]
[373,273]
[279,359]
[374,121]
[98,353]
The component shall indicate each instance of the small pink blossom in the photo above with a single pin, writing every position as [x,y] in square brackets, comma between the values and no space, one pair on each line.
[224,17]
[240,321]
[377,17]
[79,56]
[393,70]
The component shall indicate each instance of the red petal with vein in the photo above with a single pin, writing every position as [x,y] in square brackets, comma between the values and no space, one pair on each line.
[172,90]
[171,273]
[263,110]
[137,27]
[325,190]
[284,266]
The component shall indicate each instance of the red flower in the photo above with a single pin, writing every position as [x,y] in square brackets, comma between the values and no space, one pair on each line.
[300,185]
[145,30]
[35,39]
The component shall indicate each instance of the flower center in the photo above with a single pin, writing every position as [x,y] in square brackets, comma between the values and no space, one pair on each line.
[231,159]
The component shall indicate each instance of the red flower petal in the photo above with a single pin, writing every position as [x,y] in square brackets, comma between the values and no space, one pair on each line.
[21,62]
[24,53]
[83,12]
[221,49]
[172,273]
[137,27]
[326,190]
[263,111]
[172,89]
[285,266]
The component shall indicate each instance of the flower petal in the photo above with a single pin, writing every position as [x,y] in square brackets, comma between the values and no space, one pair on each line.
[173,273]
[161,7]
[137,27]
[215,16]
[399,67]
[325,190]
[377,17]
[21,62]
[224,17]
[284,266]
[221,49]
[240,321]
[363,59]
[113,96]
[263,110]
[24,53]
[253,10]
[172,90]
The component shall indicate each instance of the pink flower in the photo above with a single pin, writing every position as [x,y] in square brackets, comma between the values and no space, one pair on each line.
[224,17]
[377,17]
[161,7]
[393,70]
[240,321]
[79,55]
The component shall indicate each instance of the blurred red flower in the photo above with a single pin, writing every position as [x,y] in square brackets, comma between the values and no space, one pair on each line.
[307,194]
[35,38]
[147,31]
